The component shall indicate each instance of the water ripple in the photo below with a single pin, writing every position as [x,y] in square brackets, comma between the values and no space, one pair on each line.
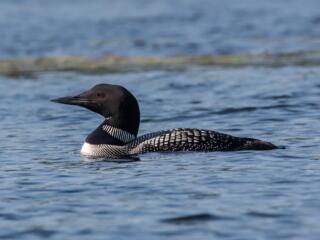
[195,218]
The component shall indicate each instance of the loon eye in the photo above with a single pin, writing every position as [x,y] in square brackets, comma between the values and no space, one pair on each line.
[100,95]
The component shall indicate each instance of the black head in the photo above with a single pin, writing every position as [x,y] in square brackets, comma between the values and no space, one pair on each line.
[114,102]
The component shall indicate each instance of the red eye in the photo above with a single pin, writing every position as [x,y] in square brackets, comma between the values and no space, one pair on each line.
[100,95]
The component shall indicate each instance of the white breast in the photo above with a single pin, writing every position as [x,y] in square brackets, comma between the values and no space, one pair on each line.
[103,150]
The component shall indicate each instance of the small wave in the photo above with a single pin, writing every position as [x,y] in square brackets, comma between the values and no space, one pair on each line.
[264,214]
[38,232]
[201,217]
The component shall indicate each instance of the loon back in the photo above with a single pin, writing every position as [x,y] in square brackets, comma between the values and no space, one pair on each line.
[117,137]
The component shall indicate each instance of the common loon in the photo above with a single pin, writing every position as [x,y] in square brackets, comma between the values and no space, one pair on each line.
[117,137]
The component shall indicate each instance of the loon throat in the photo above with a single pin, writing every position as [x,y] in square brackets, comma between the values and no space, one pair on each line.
[117,137]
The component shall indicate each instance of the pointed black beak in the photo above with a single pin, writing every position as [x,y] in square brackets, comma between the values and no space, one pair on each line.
[75,100]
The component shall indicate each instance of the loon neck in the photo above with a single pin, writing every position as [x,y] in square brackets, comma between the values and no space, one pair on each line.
[106,133]
[127,119]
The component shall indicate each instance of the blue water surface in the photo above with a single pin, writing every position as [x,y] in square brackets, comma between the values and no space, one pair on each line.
[162,27]
[48,190]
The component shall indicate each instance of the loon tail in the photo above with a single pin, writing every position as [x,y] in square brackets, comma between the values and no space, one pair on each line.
[255,144]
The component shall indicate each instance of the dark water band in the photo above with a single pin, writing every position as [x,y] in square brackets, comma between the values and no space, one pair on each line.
[114,64]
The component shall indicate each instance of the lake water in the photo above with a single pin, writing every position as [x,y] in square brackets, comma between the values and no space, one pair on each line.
[165,27]
[49,191]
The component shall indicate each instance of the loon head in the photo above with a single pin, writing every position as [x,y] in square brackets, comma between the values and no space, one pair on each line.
[114,102]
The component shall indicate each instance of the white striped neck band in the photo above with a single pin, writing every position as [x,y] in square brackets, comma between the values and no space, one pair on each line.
[119,134]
